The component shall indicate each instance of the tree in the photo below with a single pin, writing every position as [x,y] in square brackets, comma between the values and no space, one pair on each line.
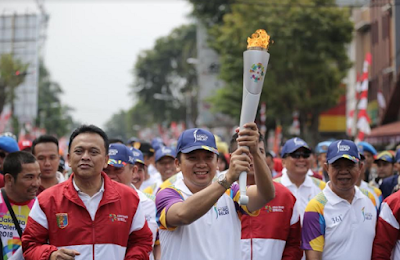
[308,59]
[52,114]
[211,12]
[12,74]
[163,76]
[125,124]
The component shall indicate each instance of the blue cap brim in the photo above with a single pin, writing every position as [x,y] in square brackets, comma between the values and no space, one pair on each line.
[345,156]
[140,161]
[297,148]
[384,160]
[199,147]
[165,155]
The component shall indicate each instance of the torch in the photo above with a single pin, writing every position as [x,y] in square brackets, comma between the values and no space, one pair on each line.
[255,61]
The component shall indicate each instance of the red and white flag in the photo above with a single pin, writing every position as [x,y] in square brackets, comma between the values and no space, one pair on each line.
[363,119]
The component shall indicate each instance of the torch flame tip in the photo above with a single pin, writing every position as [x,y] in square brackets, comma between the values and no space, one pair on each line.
[259,39]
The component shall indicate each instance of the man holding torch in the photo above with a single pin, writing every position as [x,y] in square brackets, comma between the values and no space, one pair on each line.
[199,216]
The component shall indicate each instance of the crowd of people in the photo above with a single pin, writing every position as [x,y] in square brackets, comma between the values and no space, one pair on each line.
[144,200]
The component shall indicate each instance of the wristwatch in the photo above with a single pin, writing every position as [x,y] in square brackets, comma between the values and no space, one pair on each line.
[223,181]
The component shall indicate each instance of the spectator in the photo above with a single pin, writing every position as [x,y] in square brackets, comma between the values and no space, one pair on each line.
[275,233]
[120,169]
[7,145]
[45,149]
[63,216]
[22,180]
[295,155]
[339,223]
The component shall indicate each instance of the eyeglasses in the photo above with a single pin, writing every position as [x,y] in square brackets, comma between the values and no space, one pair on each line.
[297,155]
[3,154]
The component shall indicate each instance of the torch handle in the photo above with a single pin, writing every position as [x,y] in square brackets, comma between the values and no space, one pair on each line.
[243,199]
[249,110]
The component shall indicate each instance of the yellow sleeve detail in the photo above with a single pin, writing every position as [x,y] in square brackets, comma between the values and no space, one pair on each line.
[317,244]
[148,190]
[377,191]
[163,221]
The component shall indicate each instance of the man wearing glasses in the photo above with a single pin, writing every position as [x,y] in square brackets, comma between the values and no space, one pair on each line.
[296,159]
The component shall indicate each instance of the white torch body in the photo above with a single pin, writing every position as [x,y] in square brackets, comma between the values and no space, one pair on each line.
[255,63]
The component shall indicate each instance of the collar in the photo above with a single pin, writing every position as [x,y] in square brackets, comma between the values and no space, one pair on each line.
[364,185]
[180,185]
[287,182]
[79,190]
[334,199]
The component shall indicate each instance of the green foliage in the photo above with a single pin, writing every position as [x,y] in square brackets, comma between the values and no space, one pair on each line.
[9,79]
[52,115]
[308,58]
[163,75]
[125,124]
[211,12]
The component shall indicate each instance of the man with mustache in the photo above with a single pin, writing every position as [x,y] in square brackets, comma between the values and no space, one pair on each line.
[22,181]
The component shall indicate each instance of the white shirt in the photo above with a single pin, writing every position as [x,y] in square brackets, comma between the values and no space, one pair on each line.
[307,190]
[149,182]
[215,235]
[153,172]
[91,203]
[149,209]
[339,229]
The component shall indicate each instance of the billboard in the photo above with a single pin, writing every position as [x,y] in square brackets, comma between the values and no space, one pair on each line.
[19,35]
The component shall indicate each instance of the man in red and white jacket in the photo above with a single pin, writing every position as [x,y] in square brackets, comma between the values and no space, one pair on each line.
[387,239]
[89,216]
[275,233]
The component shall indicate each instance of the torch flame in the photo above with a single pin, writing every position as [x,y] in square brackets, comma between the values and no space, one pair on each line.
[259,39]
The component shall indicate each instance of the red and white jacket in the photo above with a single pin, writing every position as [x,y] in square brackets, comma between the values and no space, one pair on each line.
[387,239]
[275,233]
[59,218]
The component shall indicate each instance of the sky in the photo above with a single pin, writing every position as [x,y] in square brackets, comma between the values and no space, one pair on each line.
[92,47]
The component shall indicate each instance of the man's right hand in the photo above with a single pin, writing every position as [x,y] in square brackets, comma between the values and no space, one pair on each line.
[64,254]
[240,162]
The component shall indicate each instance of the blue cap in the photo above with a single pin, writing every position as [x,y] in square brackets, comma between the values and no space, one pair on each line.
[164,151]
[196,139]
[342,149]
[292,145]
[368,147]
[137,155]
[361,151]
[322,147]
[120,155]
[157,143]
[8,144]
[385,156]
[398,155]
